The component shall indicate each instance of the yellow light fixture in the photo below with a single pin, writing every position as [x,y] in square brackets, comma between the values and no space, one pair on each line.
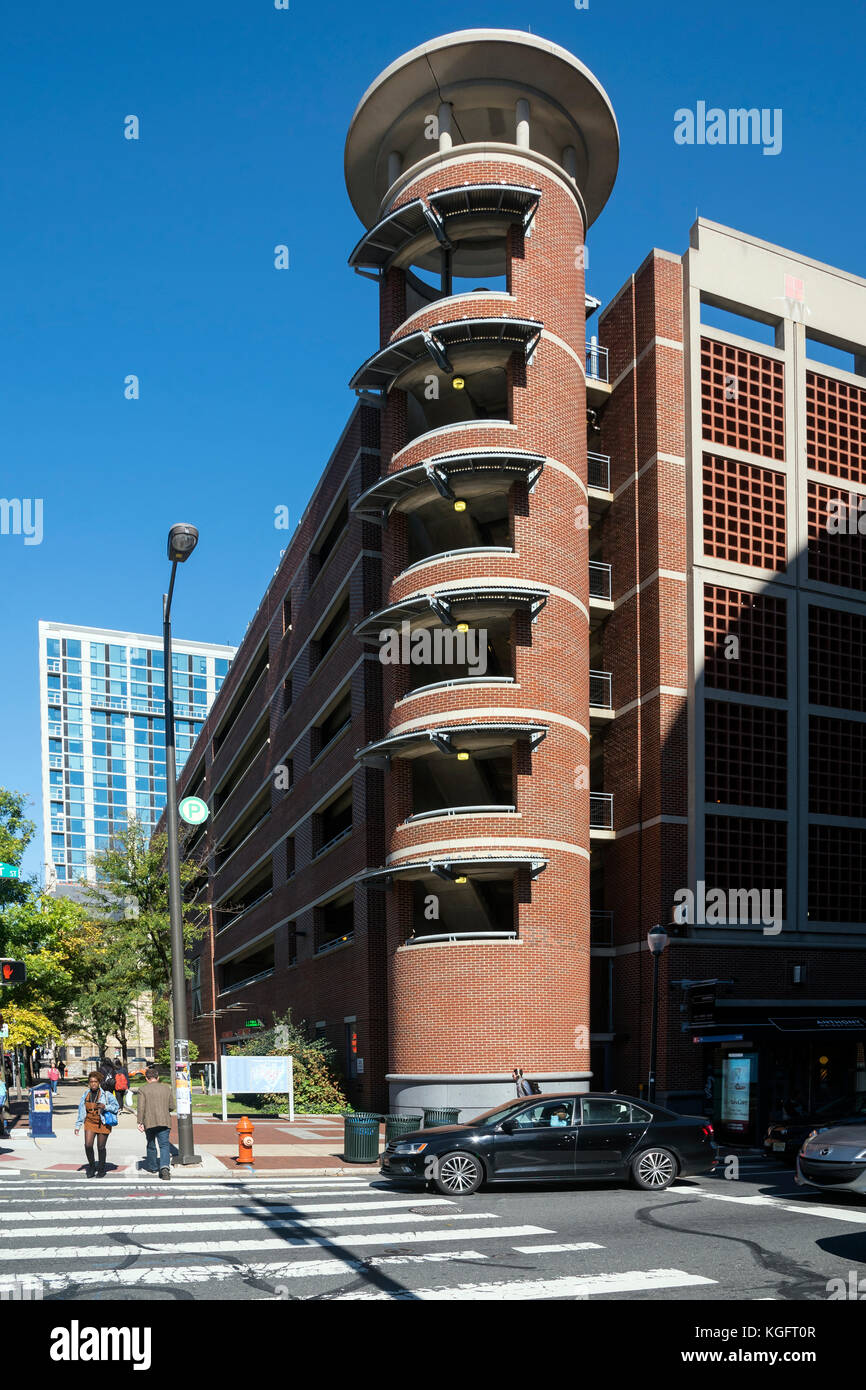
[463,757]
[460,880]
[458,383]
[462,627]
[460,506]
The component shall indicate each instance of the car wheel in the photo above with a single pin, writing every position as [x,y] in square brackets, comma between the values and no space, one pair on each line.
[653,1170]
[458,1175]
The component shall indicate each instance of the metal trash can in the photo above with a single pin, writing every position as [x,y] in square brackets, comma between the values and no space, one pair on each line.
[441,1116]
[360,1138]
[395,1125]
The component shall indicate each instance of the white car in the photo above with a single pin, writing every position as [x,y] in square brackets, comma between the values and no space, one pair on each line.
[834,1159]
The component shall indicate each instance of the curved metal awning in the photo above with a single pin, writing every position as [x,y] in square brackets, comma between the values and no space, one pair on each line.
[435,609]
[472,866]
[416,229]
[436,473]
[380,371]
[378,247]
[450,739]
[510,201]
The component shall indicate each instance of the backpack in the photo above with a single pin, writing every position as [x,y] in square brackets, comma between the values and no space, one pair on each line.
[120,1081]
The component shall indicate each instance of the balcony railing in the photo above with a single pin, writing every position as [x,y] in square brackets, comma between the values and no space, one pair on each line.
[601,928]
[600,694]
[598,471]
[601,810]
[53,664]
[55,760]
[235,916]
[596,362]
[463,936]
[461,811]
[599,579]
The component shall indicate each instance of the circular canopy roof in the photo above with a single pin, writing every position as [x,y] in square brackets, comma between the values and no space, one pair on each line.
[483,73]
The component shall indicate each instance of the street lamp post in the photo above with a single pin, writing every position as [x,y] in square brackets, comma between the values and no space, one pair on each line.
[182,541]
[656,940]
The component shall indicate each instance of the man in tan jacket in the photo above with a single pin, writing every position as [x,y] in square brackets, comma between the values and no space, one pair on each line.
[155,1104]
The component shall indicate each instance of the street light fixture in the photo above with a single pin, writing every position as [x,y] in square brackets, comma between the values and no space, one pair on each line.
[182,541]
[656,940]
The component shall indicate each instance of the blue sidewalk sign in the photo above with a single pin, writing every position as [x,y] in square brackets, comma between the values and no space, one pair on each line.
[42,1112]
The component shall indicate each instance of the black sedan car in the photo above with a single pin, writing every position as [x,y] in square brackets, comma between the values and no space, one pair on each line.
[556,1138]
[785,1138]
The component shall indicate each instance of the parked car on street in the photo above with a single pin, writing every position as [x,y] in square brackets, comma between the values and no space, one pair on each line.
[834,1158]
[585,1137]
[785,1138]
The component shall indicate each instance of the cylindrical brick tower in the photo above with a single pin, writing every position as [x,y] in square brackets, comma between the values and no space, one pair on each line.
[476,162]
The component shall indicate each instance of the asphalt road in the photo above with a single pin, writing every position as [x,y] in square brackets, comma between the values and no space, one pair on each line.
[753,1236]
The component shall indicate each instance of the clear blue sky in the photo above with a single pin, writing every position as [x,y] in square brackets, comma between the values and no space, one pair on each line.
[155,257]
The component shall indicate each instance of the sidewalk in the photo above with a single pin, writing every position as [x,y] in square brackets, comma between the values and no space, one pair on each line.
[310,1146]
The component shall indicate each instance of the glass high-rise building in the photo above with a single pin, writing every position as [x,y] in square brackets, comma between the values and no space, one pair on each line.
[101,697]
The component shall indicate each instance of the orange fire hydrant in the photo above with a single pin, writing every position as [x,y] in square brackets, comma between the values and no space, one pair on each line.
[245,1142]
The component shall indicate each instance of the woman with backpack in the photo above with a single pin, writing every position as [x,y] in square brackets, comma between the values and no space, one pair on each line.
[97,1111]
[121,1082]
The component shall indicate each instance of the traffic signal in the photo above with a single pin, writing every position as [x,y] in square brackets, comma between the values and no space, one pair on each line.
[12,972]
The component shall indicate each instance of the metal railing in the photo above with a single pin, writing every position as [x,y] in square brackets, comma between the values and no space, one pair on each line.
[600,693]
[459,811]
[463,936]
[598,471]
[599,579]
[596,362]
[236,915]
[601,810]
[601,928]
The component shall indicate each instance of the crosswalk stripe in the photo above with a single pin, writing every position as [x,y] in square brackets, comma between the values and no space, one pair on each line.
[556,1250]
[156,1228]
[164,1194]
[237,1206]
[276,1270]
[632,1281]
[834,1213]
[804,1208]
[220,1247]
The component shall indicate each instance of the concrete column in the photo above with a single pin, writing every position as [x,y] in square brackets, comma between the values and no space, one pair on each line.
[395,166]
[569,161]
[445,141]
[523,124]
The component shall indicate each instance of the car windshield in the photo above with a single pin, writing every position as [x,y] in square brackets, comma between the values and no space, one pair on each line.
[848,1105]
[492,1117]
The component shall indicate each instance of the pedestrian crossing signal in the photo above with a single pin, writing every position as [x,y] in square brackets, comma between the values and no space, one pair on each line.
[13,972]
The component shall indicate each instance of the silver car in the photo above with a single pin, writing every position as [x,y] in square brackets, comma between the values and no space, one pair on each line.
[834,1159]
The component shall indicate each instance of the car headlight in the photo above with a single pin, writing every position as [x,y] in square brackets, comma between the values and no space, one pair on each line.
[410,1147]
[858,1158]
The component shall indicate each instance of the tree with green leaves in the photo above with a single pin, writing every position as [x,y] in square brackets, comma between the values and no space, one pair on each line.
[53,938]
[130,900]
[16,832]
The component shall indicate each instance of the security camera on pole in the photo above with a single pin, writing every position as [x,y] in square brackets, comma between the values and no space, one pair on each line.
[182,541]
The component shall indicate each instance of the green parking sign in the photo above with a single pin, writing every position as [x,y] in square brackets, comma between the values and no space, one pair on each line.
[193,810]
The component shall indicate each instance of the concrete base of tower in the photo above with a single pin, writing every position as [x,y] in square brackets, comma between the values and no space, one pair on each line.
[472,1094]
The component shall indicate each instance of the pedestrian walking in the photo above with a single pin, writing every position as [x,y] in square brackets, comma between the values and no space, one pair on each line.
[121,1082]
[4,1133]
[53,1077]
[97,1111]
[155,1104]
[62,1068]
[522,1085]
[106,1069]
